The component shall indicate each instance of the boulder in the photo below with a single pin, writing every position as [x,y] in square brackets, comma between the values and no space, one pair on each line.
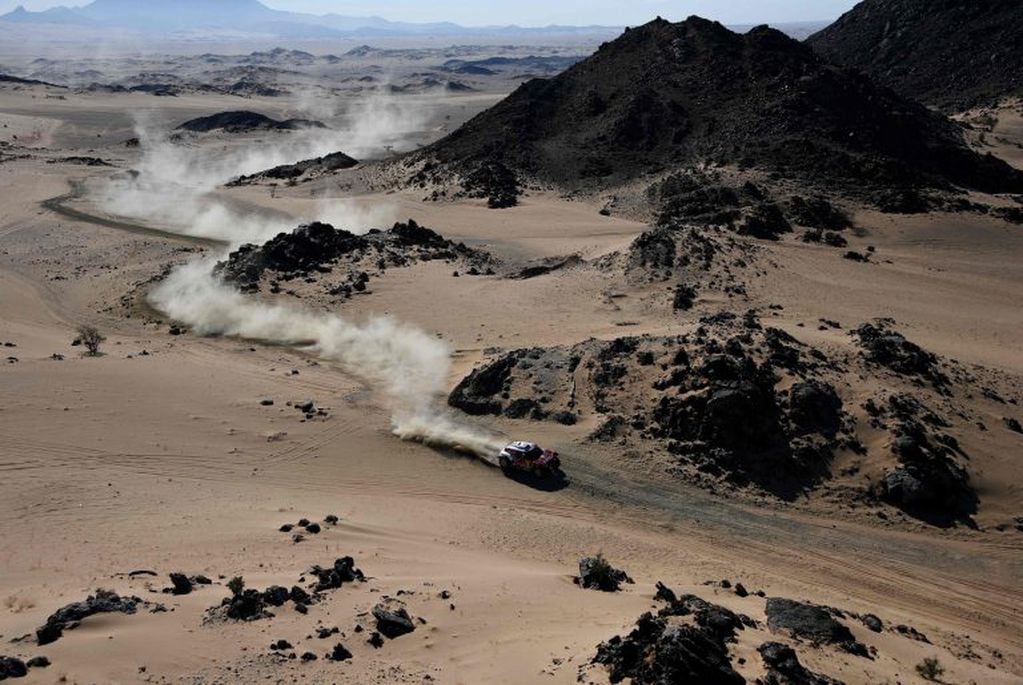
[11,667]
[340,653]
[393,619]
[873,623]
[806,621]
[182,585]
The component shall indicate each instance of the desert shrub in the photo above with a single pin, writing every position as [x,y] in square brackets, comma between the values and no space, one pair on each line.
[91,339]
[236,585]
[930,669]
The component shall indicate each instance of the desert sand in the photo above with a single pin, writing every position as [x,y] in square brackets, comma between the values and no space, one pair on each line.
[162,454]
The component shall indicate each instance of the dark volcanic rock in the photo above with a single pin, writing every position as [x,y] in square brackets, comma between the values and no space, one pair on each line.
[309,167]
[873,623]
[495,182]
[102,602]
[657,653]
[595,573]
[248,605]
[475,394]
[818,212]
[393,619]
[300,251]
[11,667]
[810,622]
[664,96]
[340,653]
[766,222]
[182,585]
[943,52]
[783,667]
[890,349]
[714,405]
[38,662]
[815,407]
[313,248]
[928,481]
[235,122]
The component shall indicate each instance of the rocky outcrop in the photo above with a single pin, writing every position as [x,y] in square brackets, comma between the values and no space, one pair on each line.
[661,649]
[71,615]
[317,248]
[881,345]
[947,53]
[239,122]
[810,622]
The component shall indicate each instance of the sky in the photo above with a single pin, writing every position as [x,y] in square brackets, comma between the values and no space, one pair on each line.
[543,12]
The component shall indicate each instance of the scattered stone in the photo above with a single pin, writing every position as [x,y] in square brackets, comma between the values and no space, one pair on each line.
[1013,424]
[38,662]
[11,667]
[873,623]
[313,528]
[309,656]
[333,577]
[340,653]
[393,619]
[376,639]
[182,585]
[911,633]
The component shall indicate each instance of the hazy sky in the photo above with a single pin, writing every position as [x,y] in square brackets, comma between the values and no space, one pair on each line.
[540,12]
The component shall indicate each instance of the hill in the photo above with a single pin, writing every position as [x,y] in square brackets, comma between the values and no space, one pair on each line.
[235,122]
[947,53]
[667,95]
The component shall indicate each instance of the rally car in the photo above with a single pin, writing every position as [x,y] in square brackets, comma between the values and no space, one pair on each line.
[528,458]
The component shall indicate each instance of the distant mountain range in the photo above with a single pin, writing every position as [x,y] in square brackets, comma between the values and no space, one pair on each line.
[252,16]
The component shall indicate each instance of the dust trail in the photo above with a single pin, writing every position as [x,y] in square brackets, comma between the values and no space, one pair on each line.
[405,364]
[175,186]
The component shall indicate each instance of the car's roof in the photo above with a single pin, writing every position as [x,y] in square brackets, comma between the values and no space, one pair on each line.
[522,446]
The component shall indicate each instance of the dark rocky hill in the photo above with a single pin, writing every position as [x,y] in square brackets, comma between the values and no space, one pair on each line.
[664,95]
[947,53]
[234,122]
